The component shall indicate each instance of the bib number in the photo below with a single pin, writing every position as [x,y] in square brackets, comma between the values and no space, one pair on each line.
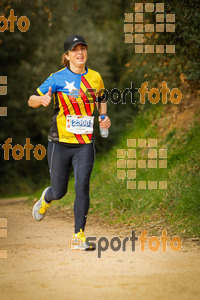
[79,124]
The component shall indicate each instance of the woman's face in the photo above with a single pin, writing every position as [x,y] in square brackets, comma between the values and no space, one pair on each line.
[78,55]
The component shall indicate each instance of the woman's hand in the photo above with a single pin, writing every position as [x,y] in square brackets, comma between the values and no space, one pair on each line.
[105,123]
[35,101]
[46,99]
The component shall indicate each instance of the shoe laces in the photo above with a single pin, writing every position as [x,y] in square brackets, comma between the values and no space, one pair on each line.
[81,236]
[44,207]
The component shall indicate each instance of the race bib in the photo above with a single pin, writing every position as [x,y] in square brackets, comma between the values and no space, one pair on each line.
[79,124]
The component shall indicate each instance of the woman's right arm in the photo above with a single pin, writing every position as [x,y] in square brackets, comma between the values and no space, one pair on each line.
[35,101]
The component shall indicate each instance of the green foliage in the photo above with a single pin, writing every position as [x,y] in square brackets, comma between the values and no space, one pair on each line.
[28,59]
[177,208]
[171,67]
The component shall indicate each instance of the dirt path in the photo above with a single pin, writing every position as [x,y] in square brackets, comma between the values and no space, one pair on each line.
[40,264]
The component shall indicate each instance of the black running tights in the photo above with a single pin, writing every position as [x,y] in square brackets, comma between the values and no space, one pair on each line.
[60,159]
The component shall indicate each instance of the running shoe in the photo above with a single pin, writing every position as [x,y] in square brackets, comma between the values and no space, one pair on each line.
[78,242]
[40,208]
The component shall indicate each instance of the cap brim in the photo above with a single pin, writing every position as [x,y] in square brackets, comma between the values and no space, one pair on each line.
[76,43]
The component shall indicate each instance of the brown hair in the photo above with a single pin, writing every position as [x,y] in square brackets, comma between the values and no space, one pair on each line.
[64,61]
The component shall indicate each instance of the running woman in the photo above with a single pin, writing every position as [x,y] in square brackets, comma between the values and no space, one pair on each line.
[75,91]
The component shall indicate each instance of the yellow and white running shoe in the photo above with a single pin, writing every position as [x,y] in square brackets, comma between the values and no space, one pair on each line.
[40,208]
[78,242]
